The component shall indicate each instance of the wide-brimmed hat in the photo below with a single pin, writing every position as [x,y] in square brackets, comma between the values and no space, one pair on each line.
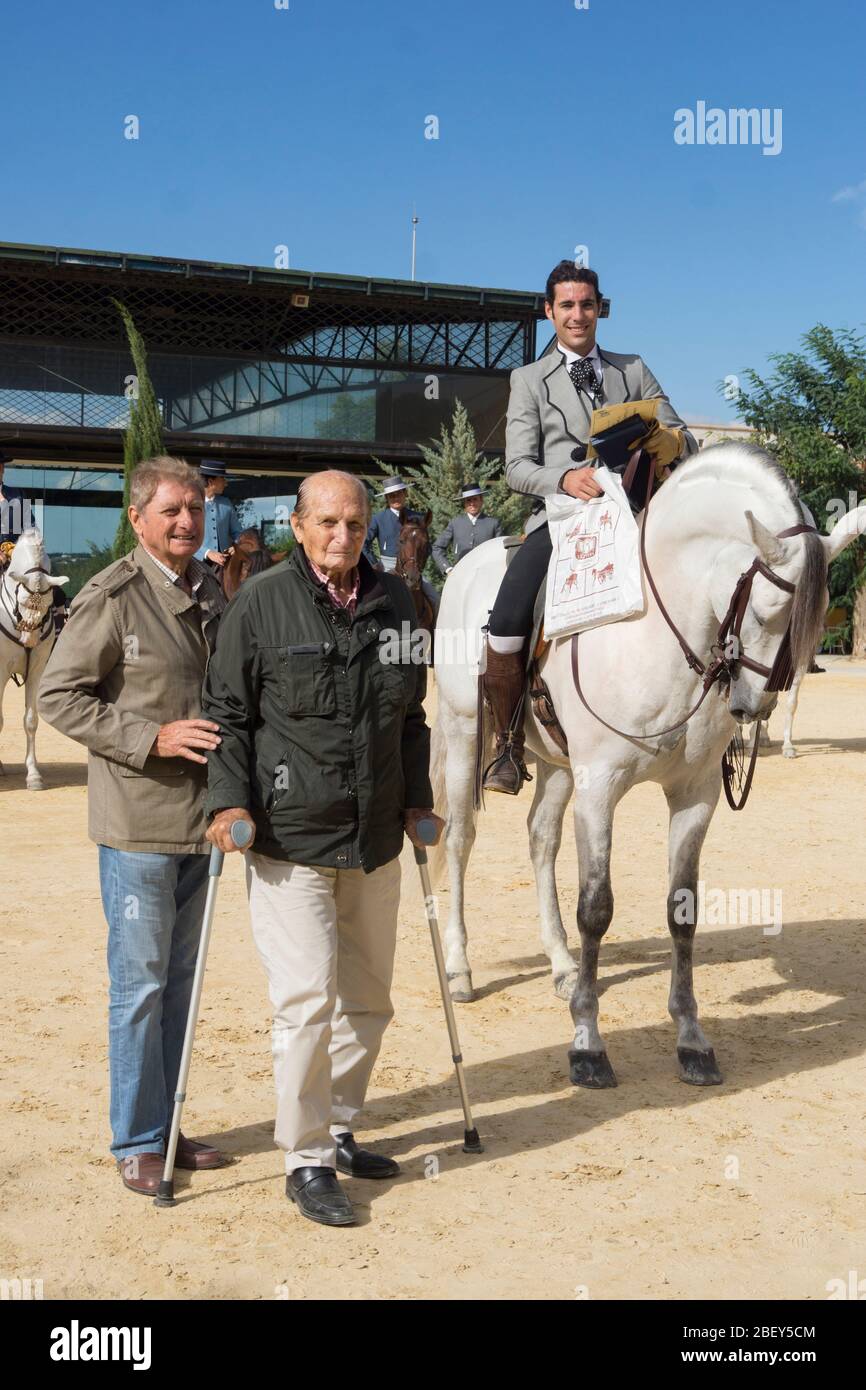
[471,490]
[212,468]
[394,485]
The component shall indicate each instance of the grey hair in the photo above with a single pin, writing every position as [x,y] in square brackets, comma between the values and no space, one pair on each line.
[302,505]
[148,475]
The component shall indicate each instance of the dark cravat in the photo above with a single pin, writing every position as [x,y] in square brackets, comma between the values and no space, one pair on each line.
[583,375]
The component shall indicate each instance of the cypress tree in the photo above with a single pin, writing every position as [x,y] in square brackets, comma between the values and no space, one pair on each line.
[450,462]
[143,439]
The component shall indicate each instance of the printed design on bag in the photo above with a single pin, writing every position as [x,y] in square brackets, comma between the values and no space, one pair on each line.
[603,575]
[594,573]
[585,540]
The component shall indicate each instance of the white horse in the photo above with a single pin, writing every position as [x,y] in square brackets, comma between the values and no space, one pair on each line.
[720,511]
[762,733]
[27,632]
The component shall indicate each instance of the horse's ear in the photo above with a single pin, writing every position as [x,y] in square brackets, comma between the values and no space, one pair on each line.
[402,515]
[428,517]
[851,525]
[772,550]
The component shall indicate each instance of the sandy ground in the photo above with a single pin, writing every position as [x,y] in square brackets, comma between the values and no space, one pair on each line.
[753,1189]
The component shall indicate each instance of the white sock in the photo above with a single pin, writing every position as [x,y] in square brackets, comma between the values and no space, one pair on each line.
[504,645]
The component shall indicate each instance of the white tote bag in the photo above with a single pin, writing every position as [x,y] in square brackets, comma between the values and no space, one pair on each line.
[594,575]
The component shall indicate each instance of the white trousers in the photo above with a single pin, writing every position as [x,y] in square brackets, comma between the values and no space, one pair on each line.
[326,938]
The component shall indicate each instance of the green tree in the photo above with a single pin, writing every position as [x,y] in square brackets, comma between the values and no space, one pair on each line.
[811,415]
[80,568]
[143,439]
[349,417]
[449,462]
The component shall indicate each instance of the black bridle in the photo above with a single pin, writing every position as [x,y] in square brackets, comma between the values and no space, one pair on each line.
[726,655]
[410,572]
[11,605]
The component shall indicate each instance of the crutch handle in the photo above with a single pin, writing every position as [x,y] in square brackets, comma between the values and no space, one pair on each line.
[241,833]
[425,830]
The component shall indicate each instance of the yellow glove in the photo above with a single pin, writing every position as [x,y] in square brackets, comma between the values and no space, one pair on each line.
[664,445]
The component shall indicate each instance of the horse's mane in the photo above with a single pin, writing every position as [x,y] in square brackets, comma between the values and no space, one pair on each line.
[808,611]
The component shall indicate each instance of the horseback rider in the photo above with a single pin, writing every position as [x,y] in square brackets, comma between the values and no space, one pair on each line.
[385,528]
[12,508]
[548,429]
[221,522]
[464,532]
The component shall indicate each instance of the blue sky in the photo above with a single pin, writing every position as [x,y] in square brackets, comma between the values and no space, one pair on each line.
[305,127]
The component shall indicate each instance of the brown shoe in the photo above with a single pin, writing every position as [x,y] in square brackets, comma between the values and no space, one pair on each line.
[193,1155]
[504,681]
[142,1172]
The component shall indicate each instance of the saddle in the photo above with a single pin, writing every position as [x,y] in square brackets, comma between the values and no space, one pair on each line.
[542,704]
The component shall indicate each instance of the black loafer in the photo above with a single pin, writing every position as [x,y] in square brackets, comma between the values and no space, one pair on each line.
[360,1163]
[318,1195]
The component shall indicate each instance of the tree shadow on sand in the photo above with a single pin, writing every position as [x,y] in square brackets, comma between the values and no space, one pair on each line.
[753,1050]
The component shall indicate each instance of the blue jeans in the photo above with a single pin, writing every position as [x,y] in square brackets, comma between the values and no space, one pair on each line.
[154,904]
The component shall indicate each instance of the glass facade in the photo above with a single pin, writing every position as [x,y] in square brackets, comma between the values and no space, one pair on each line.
[273,399]
[278,372]
[57,501]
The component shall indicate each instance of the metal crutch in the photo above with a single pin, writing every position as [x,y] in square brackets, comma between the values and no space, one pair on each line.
[241,833]
[427,832]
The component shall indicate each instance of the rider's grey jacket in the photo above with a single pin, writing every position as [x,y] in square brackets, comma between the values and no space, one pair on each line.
[548,418]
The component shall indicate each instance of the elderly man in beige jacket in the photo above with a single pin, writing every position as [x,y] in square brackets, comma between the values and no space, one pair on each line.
[125,679]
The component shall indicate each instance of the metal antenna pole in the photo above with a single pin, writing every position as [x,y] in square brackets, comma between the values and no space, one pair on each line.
[414,226]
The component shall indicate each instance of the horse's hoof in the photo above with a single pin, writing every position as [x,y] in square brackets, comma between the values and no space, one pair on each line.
[789,752]
[460,989]
[590,1069]
[35,784]
[565,985]
[698,1068]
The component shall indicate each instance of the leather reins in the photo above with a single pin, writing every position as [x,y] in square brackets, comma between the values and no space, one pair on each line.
[720,666]
[11,606]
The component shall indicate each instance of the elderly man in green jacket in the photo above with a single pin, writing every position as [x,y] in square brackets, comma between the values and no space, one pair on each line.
[325,751]
[125,680]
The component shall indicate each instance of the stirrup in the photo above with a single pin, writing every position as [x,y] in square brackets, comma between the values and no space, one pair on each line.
[514,763]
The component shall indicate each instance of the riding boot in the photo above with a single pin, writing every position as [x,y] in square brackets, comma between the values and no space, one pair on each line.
[503,683]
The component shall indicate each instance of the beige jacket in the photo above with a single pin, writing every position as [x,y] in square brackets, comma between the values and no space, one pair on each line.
[132,657]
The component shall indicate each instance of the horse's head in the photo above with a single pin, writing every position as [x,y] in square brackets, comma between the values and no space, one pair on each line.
[28,586]
[248,558]
[249,541]
[772,592]
[413,547]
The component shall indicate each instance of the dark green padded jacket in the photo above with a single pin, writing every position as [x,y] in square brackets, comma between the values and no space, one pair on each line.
[323,741]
